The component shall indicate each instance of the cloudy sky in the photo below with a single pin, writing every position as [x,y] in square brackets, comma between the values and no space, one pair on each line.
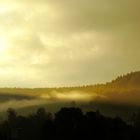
[67,42]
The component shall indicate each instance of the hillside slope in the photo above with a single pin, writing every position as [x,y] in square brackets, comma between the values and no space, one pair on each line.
[123,90]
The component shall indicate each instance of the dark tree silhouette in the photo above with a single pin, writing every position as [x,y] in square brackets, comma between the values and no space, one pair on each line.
[11,114]
[68,124]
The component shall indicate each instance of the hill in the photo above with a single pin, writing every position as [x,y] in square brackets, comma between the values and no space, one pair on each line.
[124,89]
[119,96]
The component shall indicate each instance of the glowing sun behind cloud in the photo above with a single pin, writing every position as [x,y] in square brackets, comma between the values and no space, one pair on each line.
[68,43]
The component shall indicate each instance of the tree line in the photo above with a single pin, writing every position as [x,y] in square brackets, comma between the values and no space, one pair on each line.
[68,124]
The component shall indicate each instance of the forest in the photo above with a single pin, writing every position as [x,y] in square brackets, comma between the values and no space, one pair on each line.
[68,123]
[103,111]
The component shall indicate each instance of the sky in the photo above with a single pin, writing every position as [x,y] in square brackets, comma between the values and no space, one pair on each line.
[48,43]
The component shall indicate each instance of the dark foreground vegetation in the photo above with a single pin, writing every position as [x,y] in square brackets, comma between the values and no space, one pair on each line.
[68,124]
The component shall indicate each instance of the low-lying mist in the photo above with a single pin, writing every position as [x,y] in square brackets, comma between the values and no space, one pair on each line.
[110,102]
[20,100]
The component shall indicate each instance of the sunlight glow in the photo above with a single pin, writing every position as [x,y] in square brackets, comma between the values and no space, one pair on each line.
[6,7]
[78,96]
[3,45]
